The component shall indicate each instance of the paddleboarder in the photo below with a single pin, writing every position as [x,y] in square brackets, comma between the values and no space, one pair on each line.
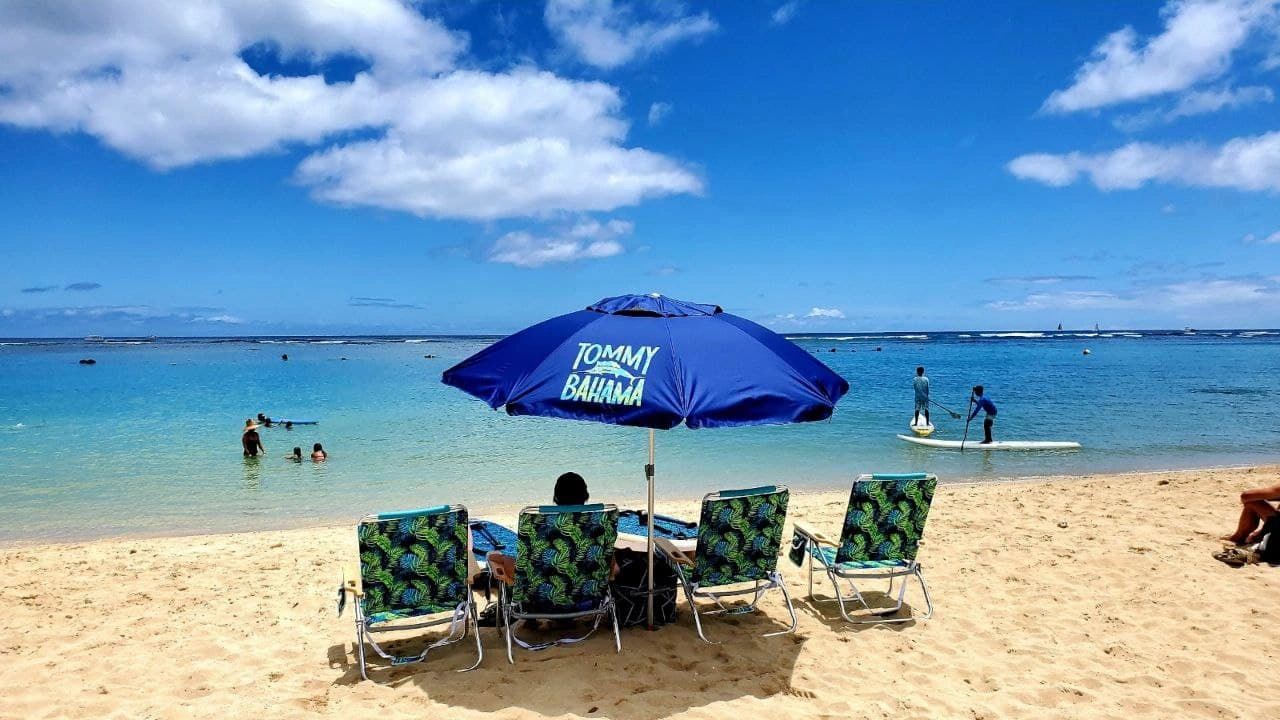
[979,402]
[921,384]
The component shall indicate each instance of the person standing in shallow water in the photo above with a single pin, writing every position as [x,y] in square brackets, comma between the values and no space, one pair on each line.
[921,384]
[318,454]
[250,441]
[982,403]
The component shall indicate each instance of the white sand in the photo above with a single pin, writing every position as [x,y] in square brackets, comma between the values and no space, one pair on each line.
[1121,613]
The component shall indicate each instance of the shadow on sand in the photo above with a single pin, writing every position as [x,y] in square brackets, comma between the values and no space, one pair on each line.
[656,675]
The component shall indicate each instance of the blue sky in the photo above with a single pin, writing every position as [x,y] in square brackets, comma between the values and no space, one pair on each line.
[296,167]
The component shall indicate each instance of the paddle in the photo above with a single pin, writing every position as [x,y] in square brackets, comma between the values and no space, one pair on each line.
[966,424]
[954,415]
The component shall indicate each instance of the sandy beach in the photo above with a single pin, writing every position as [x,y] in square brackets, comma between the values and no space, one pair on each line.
[1121,612]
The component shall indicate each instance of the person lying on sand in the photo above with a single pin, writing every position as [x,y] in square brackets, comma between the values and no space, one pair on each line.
[1256,509]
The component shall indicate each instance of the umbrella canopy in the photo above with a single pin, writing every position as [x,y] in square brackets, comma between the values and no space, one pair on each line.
[655,362]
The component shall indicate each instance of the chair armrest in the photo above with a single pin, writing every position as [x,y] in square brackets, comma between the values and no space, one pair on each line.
[672,552]
[501,567]
[350,580]
[815,537]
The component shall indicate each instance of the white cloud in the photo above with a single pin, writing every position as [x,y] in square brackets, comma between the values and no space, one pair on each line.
[1187,295]
[165,83]
[826,313]
[1246,163]
[658,112]
[1272,239]
[607,36]
[1195,45]
[588,239]
[1169,209]
[785,12]
[1197,102]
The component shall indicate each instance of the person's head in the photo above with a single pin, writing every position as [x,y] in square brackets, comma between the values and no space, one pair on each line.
[297,452]
[977,390]
[288,425]
[261,417]
[571,489]
[317,448]
[249,425]
[920,371]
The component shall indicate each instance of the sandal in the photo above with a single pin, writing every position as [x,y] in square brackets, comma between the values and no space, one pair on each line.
[1235,556]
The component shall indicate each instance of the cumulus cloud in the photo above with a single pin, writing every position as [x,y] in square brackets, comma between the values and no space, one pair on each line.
[785,12]
[1196,44]
[607,36]
[83,286]
[658,112]
[1185,295]
[825,313]
[1245,163]
[168,85]
[588,239]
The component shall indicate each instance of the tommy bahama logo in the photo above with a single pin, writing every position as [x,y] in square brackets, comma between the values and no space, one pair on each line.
[609,374]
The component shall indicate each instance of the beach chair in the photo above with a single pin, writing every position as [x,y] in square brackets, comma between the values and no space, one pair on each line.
[561,571]
[882,529]
[413,575]
[739,535]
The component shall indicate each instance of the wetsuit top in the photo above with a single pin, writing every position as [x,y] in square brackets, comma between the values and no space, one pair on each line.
[921,384]
[982,403]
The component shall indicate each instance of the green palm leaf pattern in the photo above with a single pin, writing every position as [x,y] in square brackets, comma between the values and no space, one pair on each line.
[885,519]
[739,538]
[413,565]
[564,559]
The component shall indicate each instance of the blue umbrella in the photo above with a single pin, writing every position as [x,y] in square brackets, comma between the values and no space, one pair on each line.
[655,362]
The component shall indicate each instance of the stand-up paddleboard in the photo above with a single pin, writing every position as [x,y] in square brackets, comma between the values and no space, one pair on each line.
[924,429]
[997,445]
[282,421]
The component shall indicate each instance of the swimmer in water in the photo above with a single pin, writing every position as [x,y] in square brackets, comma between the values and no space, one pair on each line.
[264,420]
[318,454]
[295,456]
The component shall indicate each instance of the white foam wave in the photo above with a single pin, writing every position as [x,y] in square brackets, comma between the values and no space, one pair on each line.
[1025,335]
[328,342]
[1257,333]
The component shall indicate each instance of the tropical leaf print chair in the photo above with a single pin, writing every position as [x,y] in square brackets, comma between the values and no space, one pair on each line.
[413,575]
[882,529]
[739,535]
[562,569]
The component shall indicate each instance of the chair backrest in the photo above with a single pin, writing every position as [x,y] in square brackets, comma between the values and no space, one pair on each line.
[739,534]
[885,517]
[413,561]
[564,557]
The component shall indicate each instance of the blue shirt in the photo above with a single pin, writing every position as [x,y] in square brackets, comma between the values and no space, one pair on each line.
[982,403]
[921,384]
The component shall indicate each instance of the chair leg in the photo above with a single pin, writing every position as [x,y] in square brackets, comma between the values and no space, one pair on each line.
[777,577]
[928,601]
[364,672]
[617,634]
[506,620]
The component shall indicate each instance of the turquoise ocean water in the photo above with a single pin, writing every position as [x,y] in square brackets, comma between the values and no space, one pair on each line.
[147,440]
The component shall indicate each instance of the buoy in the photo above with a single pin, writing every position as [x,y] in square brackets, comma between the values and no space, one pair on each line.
[1087,351]
[284,356]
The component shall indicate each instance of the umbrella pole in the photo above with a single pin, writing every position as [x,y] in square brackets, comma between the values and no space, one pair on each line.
[648,471]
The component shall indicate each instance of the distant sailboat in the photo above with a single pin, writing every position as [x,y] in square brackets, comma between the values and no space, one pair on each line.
[1059,327]
[1095,327]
